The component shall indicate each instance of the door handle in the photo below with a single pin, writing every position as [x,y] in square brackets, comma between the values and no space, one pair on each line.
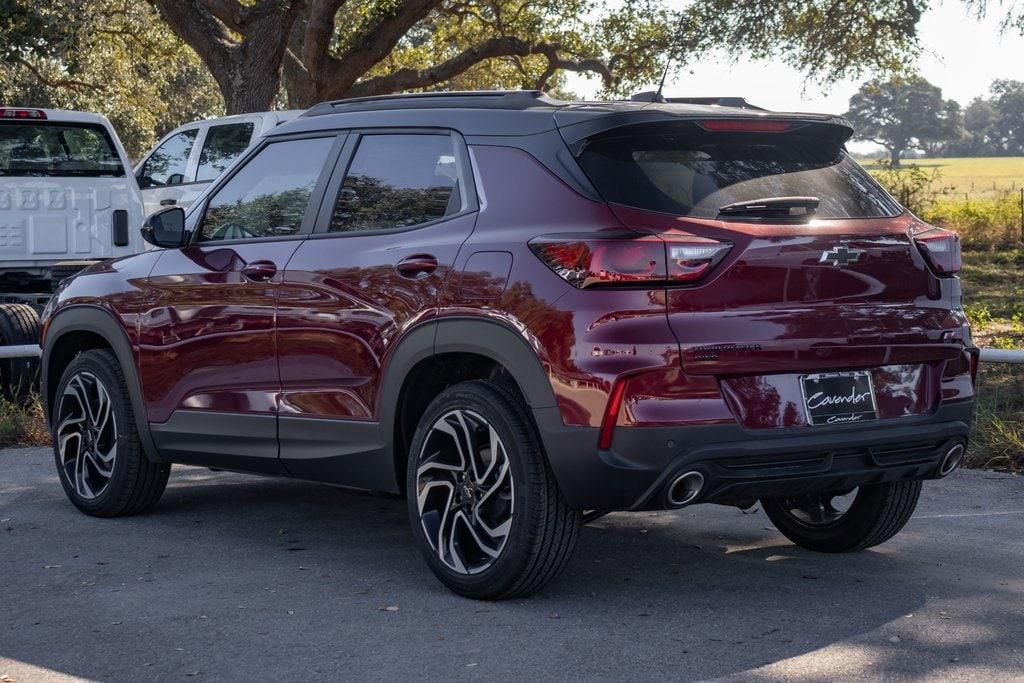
[259,271]
[168,202]
[416,267]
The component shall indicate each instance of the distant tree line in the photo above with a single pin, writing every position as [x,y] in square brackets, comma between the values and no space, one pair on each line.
[909,114]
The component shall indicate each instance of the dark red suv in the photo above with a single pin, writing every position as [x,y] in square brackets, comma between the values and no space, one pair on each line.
[522,313]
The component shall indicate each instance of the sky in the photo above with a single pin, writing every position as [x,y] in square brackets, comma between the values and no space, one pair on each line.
[962,55]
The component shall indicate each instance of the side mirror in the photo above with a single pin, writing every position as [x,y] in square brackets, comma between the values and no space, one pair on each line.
[165,228]
[145,182]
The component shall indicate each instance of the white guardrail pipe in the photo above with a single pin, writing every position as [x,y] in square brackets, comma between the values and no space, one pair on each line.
[24,351]
[987,355]
[1002,356]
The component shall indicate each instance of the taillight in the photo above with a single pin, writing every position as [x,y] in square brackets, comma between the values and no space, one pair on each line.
[744,126]
[602,261]
[6,113]
[941,248]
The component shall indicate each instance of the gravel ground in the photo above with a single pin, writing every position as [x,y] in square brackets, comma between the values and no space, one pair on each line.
[236,577]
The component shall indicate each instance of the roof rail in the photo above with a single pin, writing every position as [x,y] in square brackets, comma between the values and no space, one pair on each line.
[489,99]
[737,102]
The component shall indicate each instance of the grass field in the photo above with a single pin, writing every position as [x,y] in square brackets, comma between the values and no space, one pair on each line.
[970,177]
[993,287]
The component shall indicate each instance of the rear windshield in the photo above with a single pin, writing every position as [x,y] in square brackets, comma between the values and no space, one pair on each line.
[692,172]
[57,150]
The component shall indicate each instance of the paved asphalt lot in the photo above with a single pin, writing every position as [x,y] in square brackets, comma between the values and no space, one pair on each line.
[237,577]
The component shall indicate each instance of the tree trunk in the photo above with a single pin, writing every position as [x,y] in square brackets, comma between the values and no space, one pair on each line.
[247,71]
[895,154]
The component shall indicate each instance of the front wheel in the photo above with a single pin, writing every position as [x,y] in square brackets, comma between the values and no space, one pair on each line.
[838,521]
[99,458]
[484,506]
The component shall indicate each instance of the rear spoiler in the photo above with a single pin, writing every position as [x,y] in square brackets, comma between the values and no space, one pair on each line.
[825,126]
[734,102]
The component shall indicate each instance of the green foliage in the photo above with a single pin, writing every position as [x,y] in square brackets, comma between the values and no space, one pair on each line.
[911,185]
[903,114]
[987,222]
[114,57]
[994,125]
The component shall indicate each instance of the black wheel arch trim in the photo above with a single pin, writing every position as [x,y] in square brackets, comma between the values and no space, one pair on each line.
[98,320]
[487,338]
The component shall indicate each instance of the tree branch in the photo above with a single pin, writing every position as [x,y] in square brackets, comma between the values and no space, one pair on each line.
[406,79]
[376,43]
[229,12]
[58,82]
[200,29]
[319,31]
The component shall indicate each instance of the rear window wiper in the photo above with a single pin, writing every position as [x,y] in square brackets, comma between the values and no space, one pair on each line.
[773,207]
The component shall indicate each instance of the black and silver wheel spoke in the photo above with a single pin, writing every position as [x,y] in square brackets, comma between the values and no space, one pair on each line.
[464,491]
[820,509]
[86,434]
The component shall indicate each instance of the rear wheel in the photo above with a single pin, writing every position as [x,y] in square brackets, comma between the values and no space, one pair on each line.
[96,443]
[838,521]
[19,325]
[484,506]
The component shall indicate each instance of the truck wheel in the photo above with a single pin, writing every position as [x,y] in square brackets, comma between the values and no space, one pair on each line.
[100,460]
[838,521]
[484,506]
[19,377]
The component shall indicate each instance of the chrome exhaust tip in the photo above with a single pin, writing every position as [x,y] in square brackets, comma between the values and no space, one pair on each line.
[954,457]
[684,489]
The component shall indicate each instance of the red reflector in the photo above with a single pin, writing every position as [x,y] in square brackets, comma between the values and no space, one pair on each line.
[611,414]
[37,114]
[601,261]
[744,126]
[941,248]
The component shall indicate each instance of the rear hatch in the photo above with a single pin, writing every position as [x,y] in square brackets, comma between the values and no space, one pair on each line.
[812,267]
[65,193]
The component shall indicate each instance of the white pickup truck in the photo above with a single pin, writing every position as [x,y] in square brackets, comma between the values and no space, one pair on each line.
[190,157]
[68,198]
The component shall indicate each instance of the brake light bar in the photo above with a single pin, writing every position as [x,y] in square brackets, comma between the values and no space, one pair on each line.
[744,126]
[941,249]
[593,260]
[9,113]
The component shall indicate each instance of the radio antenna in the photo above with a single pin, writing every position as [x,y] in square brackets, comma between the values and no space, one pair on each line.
[658,97]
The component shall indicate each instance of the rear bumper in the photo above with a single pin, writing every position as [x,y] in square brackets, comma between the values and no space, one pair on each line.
[740,464]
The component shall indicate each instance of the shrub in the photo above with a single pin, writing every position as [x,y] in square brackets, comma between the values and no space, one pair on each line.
[23,424]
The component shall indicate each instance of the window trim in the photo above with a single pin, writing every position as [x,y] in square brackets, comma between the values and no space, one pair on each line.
[104,132]
[206,134]
[315,197]
[139,171]
[467,184]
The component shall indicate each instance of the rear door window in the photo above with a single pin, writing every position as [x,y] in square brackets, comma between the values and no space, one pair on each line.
[268,196]
[691,172]
[398,181]
[167,164]
[54,149]
[223,145]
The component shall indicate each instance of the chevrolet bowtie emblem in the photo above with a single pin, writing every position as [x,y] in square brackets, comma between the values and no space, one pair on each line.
[841,256]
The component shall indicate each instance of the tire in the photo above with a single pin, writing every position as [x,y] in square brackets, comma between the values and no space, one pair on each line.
[877,513]
[96,446]
[19,377]
[514,506]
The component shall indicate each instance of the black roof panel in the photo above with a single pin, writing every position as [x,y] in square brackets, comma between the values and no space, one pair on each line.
[515,113]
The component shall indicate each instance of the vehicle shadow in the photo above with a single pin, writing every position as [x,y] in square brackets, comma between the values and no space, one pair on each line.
[237,576]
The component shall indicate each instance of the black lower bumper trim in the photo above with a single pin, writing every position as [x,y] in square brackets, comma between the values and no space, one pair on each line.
[740,465]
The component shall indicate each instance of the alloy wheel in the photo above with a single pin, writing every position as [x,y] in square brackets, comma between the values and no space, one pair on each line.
[86,434]
[465,491]
[819,510]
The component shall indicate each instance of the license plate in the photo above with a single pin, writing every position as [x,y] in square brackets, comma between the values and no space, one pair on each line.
[838,397]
